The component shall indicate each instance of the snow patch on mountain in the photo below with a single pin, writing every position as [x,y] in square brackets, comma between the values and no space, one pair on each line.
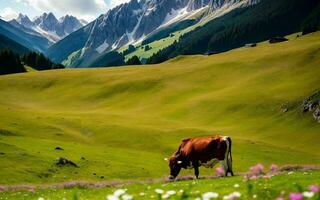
[102,47]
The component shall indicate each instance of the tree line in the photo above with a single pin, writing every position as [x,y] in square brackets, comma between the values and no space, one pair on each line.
[13,63]
[260,22]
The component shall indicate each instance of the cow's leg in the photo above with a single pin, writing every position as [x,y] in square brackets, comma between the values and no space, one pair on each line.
[229,162]
[224,163]
[196,169]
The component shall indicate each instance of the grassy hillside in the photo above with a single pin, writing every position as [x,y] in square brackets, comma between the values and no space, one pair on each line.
[124,121]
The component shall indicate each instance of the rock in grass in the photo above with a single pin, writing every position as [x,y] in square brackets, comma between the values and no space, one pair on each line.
[316,114]
[59,149]
[63,162]
[277,40]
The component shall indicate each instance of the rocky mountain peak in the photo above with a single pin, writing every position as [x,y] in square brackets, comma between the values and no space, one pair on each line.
[24,20]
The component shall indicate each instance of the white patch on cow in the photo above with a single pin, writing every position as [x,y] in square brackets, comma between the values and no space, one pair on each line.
[210,163]
[226,163]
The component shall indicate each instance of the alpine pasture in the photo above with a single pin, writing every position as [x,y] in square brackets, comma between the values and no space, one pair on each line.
[120,123]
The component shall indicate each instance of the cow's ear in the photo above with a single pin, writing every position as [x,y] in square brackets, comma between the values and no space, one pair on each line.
[179,162]
[166,159]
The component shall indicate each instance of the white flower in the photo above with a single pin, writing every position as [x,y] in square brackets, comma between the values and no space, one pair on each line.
[112,197]
[142,194]
[119,192]
[236,194]
[236,185]
[198,198]
[255,196]
[165,196]
[181,191]
[289,173]
[159,191]
[127,197]
[210,195]
[171,192]
[40,198]
[233,195]
[308,194]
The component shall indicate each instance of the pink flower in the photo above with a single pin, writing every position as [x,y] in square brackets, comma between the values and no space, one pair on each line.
[257,169]
[254,177]
[220,171]
[314,188]
[273,167]
[295,196]
[279,198]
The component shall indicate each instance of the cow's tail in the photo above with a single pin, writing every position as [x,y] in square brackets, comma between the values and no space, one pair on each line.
[229,157]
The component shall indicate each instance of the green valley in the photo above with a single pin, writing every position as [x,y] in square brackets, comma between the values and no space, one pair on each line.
[120,123]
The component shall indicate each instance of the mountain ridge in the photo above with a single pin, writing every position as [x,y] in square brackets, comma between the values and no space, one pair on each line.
[131,22]
[48,26]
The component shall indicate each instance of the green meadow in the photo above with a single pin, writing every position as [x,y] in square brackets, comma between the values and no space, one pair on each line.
[120,123]
[264,189]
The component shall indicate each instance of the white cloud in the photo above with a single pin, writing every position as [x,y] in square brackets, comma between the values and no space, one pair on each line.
[86,9]
[117,2]
[8,14]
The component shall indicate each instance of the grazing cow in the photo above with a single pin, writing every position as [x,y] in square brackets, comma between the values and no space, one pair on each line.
[203,151]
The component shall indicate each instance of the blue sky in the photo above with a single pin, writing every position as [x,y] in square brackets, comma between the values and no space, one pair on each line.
[84,9]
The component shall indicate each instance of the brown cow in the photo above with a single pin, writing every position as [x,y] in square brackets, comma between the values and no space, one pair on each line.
[203,151]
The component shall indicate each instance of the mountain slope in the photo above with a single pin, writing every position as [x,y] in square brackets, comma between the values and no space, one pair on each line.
[267,19]
[7,43]
[112,116]
[131,22]
[32,42]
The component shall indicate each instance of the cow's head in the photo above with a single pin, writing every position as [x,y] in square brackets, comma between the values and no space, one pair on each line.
[175,166]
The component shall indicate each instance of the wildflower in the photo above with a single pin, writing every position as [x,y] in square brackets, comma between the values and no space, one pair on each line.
[254,177]
[119,192]
[198,198]
[279,198]
[171,192]
[267,176]
[220,171]
[273,167]
[314,188]
[40,198]
[232,196]
[254,196]
[210,195]
[159,191]
[295,196]
[236,185]
[165,196]
[236,194]
[308,194]
[127,197]
[289,173]
[257,169]
[142,194]
[112,197]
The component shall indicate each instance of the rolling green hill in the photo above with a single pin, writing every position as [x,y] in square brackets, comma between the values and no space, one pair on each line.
[124,121]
